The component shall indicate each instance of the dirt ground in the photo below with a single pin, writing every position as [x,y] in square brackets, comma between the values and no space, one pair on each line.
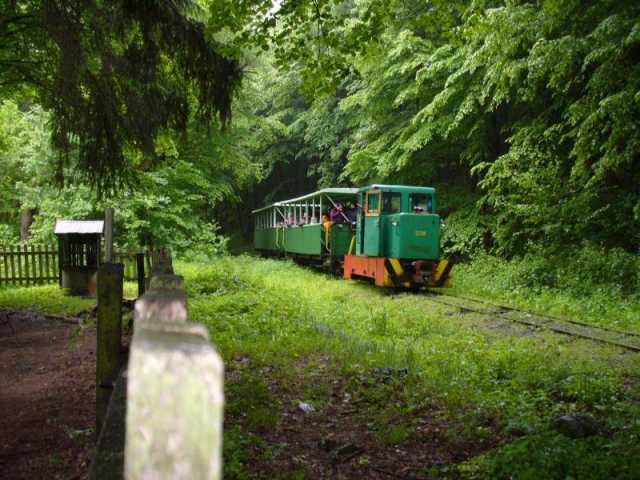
[337,441]
[47,397]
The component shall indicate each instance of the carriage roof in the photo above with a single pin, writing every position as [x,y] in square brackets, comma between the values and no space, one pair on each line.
[335,194]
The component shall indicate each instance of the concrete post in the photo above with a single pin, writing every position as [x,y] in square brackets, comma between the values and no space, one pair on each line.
[175,404]
[175,390]
[109,333]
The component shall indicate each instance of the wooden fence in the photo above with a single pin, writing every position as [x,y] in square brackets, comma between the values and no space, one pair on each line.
[25,264]
[28,264]
[128,259]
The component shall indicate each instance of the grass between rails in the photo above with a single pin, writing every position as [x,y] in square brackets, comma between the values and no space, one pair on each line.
[475,402]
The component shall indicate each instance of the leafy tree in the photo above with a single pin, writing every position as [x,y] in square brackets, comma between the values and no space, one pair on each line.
[522,112]
[172,204]
[533,102]
[25,158]
[115,75]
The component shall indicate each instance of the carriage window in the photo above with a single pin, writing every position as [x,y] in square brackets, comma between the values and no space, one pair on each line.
[420,203]
[373,202]
[390,202]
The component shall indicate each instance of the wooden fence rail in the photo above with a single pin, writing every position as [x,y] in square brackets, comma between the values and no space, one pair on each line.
[26,264]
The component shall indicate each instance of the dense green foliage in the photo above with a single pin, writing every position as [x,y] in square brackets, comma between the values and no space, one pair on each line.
[530,103]
[590,285]
[171,205]
[115,76]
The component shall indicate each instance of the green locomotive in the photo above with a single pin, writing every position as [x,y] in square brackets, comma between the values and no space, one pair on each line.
[387,233]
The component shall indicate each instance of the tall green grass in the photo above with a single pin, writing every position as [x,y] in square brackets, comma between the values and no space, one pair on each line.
[280,315]
[45,298]
[486,386]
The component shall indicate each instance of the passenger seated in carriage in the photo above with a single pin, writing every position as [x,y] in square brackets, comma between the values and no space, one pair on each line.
[351,213]
[289,221]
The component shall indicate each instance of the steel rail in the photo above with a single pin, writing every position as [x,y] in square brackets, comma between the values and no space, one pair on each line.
[555,324]
[540,315]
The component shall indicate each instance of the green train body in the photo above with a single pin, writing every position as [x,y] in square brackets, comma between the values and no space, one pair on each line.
[392,234]
[304,240]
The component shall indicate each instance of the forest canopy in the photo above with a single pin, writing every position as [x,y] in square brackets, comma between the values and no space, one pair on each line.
[522,113]
[115,76]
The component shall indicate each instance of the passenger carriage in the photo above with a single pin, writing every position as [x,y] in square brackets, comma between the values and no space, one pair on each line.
[294,227]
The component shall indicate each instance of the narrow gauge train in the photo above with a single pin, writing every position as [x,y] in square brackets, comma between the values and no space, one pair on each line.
[387,233]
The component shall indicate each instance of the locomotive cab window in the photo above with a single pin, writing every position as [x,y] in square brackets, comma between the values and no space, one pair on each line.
[420,203]
[391,202]
[373,203]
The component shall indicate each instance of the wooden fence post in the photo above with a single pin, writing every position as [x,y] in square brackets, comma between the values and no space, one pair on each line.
[108,235]
[13,265]
[109,332]
[140,272]
[5,265]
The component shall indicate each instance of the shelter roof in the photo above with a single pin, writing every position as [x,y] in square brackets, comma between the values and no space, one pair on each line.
[79,227]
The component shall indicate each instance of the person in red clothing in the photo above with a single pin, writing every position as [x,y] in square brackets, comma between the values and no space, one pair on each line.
[336,214]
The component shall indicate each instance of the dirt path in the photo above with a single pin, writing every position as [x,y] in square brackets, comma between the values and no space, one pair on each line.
[47,398]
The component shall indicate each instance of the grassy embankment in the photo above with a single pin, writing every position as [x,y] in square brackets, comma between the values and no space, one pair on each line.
[51,299]
[45,299]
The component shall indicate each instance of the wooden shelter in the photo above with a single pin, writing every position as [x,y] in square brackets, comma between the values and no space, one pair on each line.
[79,254]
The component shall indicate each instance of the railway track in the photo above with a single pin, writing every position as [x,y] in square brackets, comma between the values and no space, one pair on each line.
[626,340]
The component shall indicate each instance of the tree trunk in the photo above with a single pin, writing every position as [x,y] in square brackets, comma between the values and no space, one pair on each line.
[26,219]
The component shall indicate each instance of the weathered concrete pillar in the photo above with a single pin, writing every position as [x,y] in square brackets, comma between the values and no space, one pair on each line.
[175,404]
[109,334]
[175,390]
[166,301]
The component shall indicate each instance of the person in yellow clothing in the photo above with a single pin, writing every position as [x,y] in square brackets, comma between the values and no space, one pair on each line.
[326,223]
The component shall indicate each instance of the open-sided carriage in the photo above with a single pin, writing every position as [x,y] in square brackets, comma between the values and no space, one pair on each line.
[295,227]
[387,233]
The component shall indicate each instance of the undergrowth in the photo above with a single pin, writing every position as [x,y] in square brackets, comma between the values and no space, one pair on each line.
[45,298]
[487,388]
[52,299]
[283,329]
[588,284]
